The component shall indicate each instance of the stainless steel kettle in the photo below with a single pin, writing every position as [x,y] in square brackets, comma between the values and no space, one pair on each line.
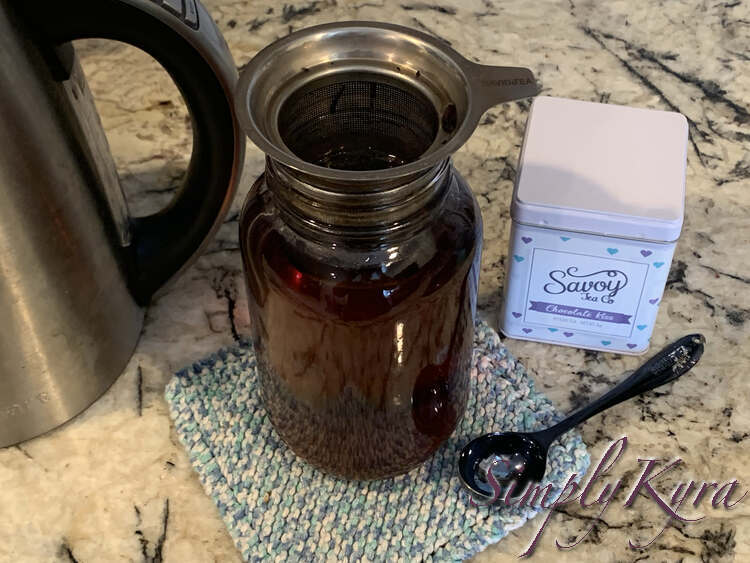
[75,269]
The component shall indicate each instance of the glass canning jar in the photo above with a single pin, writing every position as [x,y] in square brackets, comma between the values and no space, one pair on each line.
[361,242]
[362,326]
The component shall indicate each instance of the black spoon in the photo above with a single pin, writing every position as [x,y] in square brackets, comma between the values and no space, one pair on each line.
[522,456]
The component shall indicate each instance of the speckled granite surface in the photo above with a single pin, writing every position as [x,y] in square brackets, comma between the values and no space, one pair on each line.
[114,485]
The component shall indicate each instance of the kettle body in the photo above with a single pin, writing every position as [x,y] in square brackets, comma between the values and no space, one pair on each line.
[76,271]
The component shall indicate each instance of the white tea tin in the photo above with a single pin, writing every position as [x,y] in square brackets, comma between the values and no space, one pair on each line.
[597,209]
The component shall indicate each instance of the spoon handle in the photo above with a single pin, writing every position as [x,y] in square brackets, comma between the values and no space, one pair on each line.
[667,365]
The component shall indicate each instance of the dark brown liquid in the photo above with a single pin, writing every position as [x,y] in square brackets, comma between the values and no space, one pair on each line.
[364,369]
[359,153]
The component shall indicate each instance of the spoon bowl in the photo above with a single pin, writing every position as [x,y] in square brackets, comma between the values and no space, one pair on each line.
[514,456]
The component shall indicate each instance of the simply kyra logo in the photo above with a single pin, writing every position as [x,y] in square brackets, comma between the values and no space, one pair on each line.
[547,498]
[596,287]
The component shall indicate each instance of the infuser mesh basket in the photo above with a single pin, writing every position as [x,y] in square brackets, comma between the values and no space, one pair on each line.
[358,122]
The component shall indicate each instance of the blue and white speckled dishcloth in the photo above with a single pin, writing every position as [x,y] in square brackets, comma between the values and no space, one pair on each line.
[277,506]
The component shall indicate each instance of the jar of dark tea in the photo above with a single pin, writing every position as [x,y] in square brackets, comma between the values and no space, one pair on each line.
[361,242]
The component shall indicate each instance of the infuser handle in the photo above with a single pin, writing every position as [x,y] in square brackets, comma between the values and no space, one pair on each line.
[183,38]
[497,84]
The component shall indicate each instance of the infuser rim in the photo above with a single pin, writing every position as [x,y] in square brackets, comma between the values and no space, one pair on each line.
[249,73]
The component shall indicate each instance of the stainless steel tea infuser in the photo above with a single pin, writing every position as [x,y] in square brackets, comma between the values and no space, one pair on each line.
[419,88]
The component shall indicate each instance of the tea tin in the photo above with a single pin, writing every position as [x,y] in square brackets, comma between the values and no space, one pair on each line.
[597,209]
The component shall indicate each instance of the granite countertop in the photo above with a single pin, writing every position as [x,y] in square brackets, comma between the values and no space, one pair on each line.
[114,484]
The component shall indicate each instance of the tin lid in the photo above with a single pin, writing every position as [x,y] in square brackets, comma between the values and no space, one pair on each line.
[602,169]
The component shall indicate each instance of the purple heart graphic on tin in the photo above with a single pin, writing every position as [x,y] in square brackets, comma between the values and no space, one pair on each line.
[646,253]
[631,346]
[526,330]
[654,301]
[517,315]
[527,240]
[568,334]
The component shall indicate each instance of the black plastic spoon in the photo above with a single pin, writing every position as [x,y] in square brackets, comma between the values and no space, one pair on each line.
[522,456]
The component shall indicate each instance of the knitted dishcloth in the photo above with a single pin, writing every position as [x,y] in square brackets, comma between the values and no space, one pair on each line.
[276,506]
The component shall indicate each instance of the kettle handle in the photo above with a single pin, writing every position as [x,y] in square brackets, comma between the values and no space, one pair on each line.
[183,38]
